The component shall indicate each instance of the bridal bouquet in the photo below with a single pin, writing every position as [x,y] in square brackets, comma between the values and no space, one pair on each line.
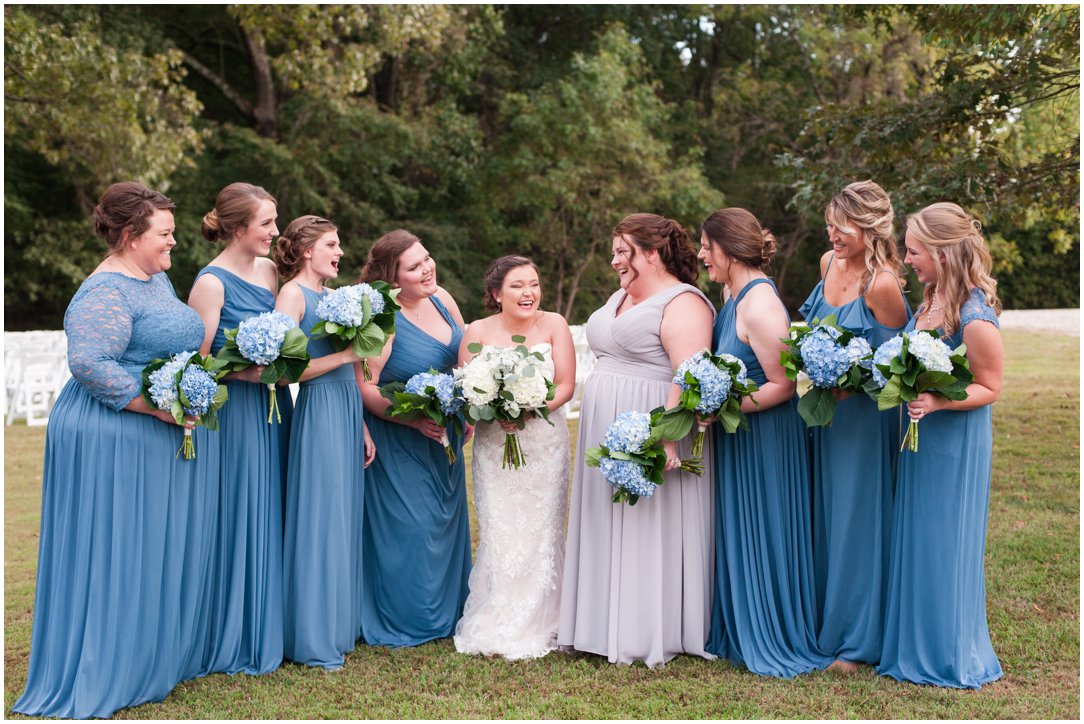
[272,339]
[186,386]
[912,363]
[427,394]
[711,385]
[361,316]
[631,457]
[833,358]
[505,384]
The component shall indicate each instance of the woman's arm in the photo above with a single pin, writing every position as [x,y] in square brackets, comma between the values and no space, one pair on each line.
[885,300]
[291,301]
[563,351]
[764,320]
[207,298]
[684,331]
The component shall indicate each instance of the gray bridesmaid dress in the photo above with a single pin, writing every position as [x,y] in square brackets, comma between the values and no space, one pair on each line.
[637,579]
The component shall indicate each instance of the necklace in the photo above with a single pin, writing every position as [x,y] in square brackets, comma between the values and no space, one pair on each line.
[933,308]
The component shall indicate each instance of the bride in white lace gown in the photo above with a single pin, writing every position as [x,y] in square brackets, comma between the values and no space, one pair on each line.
[514,603]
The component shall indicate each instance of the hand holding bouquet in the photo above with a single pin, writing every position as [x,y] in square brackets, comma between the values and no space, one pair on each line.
[186,386]
[427,394]
[632,458]
[505,384]
[271,339]
[833,358]
[912,363]
[712,385]
[361,316]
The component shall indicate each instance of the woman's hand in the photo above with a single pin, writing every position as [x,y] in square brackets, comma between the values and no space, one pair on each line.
[705,420]
[427,427]
[249,374]
[370,447]
[924,404]
[469,433]
[839,395]
[673,460]
[508,427]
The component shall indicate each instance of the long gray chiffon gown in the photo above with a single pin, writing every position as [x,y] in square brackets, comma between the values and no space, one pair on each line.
[637,579]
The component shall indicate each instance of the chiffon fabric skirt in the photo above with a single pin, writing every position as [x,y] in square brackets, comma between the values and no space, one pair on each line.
[637,579]
[935,623]
[763,610]
[417,545]
[854,472]
[120,608]
[246,581]
[325,498]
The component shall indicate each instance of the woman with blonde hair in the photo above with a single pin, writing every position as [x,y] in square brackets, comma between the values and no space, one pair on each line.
[854,459]
[935,629]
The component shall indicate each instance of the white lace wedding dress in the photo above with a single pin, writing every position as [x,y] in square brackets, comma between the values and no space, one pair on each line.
[515,586]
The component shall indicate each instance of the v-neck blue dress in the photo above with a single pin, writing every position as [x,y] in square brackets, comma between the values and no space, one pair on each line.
[416,545]
[854,476]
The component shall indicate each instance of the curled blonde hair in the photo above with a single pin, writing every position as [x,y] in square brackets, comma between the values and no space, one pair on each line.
[946,229]
[866,205]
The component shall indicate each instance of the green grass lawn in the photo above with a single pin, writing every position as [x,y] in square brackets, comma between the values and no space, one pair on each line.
[1032,573]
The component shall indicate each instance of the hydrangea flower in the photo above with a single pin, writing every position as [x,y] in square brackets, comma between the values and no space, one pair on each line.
[444,388]
[931,352]
[163,388]
[199,386]
[627,475]
[743,373]
[858,350]
[628,432]
[824,359]
[714,383]
[342,306]
[884,355]
[260,338]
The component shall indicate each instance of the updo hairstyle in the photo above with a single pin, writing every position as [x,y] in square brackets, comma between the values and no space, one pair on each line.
[667,237]
[741,236]
[300,236]
[127,206]
[382,263]
[234,208]
[866,205]
[495,274]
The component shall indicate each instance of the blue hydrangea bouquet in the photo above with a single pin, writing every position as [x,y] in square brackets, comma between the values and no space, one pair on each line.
[428,394]
[631,457]
[186,386]
[712,385]
[833,358]
[274,340]
[916,362]
[361,316]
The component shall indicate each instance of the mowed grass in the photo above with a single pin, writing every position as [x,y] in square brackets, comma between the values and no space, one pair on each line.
[1032,573]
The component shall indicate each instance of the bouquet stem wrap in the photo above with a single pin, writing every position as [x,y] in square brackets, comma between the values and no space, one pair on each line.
[513,454]
[188,446]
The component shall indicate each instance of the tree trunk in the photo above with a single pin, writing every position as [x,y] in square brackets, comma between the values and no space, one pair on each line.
[264,111]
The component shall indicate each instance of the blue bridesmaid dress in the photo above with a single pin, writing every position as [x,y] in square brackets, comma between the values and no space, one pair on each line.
[763,611]
[417,537]
[246,580]
[935,620]
[325,495]
[125,524]
[854,474]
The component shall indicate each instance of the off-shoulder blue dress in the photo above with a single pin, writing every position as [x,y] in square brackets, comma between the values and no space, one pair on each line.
[246,580]
[124,551]
[417,535]
[854,474]
[763,612]
[325,498]
[935,629]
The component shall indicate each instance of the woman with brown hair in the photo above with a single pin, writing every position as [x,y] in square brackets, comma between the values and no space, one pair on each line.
[763,613]
[328,453]
[417,553]
[636,584]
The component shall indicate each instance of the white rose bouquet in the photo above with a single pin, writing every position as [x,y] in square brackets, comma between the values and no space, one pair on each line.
[505,384]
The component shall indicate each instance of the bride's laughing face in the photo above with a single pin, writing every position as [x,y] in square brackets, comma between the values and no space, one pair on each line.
[521,292]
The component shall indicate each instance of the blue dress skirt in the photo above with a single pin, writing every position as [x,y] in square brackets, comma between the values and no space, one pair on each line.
[246,580]
[325,498]
[935,622]
[763,609]
[854,475]
[417,538]
[124,551]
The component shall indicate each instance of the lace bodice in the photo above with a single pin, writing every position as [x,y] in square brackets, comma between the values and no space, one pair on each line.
[974,309]
[117,324]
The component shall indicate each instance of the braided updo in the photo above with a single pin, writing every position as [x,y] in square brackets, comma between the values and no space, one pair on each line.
[300,236]
[667,237]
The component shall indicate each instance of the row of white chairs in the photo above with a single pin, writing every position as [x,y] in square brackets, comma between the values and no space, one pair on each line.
[36,368]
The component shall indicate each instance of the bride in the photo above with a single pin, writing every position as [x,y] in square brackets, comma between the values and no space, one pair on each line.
[515,596]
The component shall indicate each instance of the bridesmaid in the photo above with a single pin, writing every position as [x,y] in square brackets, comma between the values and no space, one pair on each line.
[763,609]
[122,556]
[328,453]
[854,458]
[637,580]
[935,621]
[416,547]
[246,586]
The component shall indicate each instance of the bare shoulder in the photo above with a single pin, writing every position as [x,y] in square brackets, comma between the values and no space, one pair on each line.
[207,286]
[689,303]
[553,322]
[269,272]
[826,259]
[447,299]
[290,292]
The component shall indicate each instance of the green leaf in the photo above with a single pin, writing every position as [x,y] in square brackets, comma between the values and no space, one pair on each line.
[474,347]
[675,423]
[817,407]
[369,341]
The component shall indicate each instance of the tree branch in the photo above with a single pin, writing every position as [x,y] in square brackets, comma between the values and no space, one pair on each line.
[219,82]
